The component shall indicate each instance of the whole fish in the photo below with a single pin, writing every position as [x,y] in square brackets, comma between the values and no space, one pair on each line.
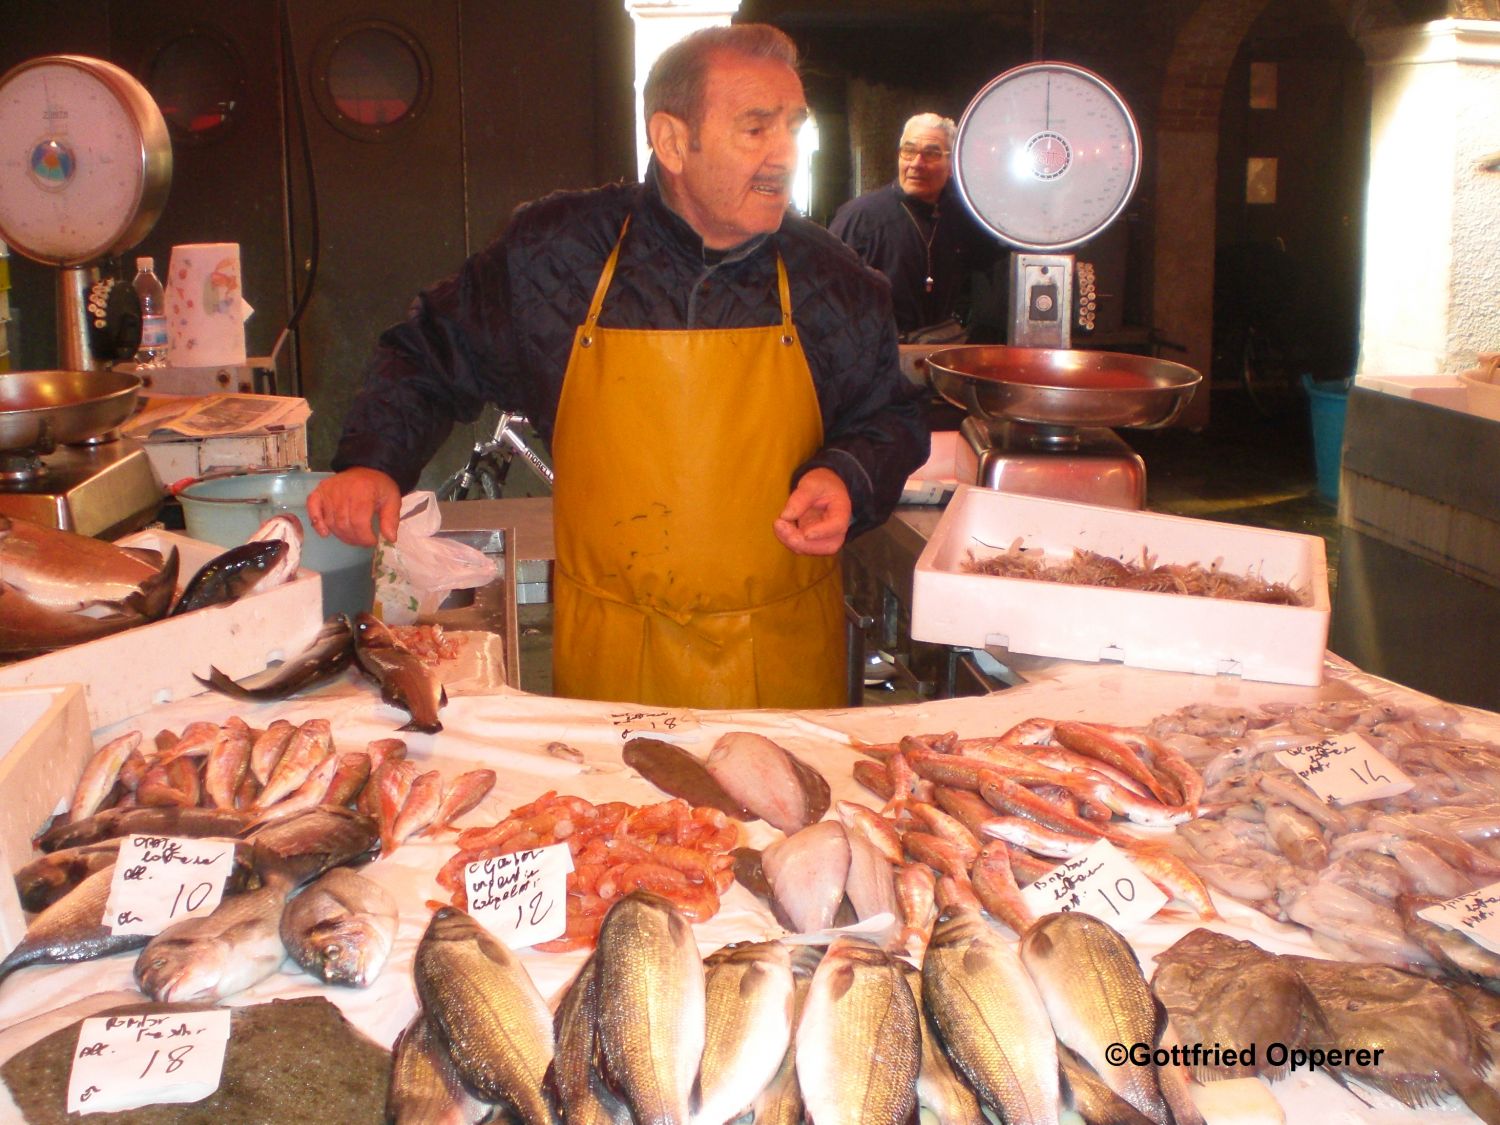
[268,748]
[940,1088]
[748,993]
[351,771]
[859,1041]
[100,774]
[462,795]
[341,928]
[489,1012]
[48,878]
[651,1026]
[807,872]
[1085,1093]
[573,1076]
[71,929]
[304,846]
[419,808]
[1096,996]
[780,1103]
[230,576]
[58,588]
[330,652]
[114,823]
[425,1087]
[673,770]
[311,743]
[769,781]
[404,680]
[284,528]
[228,763]
[217,955]
[990,1018]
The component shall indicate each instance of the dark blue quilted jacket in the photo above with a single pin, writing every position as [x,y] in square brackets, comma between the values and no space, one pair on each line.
[501,329]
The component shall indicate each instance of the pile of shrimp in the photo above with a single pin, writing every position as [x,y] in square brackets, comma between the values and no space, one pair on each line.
[1088,568]
[1353,875]
[672,849]
[989,815]
[428,643]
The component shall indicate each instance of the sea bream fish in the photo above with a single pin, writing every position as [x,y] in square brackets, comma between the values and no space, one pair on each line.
[59,589]
[404,680]
[341,928]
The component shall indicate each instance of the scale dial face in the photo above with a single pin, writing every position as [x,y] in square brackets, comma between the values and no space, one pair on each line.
[1047,155]
[84,159]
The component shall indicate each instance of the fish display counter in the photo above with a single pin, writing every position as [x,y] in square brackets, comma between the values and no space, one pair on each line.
[562,769]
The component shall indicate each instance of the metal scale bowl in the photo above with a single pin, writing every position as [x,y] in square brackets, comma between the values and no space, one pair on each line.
[85,164]
[1041,419]
[61,464]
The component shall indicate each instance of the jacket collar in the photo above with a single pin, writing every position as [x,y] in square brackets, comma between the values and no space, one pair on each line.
[652,207]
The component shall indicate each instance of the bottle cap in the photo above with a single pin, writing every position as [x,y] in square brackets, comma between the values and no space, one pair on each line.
[144,263]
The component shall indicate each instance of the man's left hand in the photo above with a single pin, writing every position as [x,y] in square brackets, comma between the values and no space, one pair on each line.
[816,517]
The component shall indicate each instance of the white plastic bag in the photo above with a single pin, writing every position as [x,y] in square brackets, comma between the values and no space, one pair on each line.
[414,574]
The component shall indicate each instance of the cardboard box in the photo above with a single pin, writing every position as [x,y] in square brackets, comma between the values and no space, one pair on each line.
[127,673]
[1208,636]
[179,459]
[44,745]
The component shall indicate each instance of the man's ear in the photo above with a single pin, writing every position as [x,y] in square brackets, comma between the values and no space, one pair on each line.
[669,140]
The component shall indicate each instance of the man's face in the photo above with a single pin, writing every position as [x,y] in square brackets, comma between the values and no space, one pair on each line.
[734,179]
[923,163]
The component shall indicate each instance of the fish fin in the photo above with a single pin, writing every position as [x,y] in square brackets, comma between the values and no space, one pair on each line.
[157,592]
[426,728]
[219,682]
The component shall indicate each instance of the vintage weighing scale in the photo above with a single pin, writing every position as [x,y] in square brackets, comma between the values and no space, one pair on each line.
[85,163]
[1047,155]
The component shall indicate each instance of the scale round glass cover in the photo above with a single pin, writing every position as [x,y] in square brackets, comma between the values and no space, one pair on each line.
[1047,155]
[86,160]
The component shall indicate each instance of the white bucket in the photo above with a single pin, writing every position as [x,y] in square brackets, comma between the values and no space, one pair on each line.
[228,511]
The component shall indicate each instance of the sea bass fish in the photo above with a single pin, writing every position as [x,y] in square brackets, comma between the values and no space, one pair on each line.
[991,1019]
[404,680]
[59,589]
[780,1103]
[495,1023]
[573,1076]
[425,1086]
[1096,996]
[341,928]
[651,1026]
[859,1041]
[940,1088]
[748,993]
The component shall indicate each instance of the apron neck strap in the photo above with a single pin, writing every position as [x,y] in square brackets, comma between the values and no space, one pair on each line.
[783,289]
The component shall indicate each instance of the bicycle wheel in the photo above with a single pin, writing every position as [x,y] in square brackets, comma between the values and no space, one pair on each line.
[1267,378]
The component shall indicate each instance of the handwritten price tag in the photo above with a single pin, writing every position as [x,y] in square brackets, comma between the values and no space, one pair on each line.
[1344,768]
[159,880]
[1476,915]
[1101,881]
[122,1062]
[656,724]
[521,897]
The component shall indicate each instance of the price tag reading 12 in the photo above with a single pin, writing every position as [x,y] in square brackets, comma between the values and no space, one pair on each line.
[159,880]
[1101,881]
[1344,768]
[522,897]
[122,1062]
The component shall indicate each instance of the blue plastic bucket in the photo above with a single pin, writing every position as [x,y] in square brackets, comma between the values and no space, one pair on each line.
[1329,402]
[228,510]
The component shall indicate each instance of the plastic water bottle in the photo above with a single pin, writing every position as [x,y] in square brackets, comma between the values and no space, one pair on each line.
[153,299]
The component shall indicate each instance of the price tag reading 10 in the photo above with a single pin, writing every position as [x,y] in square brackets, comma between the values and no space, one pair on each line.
[159,880]
[1100,881]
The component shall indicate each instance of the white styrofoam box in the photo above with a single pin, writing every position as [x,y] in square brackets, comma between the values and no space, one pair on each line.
[1176,632]
[44,745]
[1439,390]
[126,673]
[188,458]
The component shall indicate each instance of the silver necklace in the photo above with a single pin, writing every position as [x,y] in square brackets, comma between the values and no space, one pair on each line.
[926,241]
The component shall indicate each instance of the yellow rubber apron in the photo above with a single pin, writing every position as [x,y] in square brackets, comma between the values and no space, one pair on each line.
[674,451]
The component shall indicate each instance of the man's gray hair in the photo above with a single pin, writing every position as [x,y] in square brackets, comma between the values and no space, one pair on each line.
[679,77]
[932,121]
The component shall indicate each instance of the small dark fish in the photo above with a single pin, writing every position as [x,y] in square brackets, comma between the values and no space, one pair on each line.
[306,844]
[231,575]
[72,929]
[154,821]
[330,653]
[404,680]
[48,879]
[673,770]
[749,874]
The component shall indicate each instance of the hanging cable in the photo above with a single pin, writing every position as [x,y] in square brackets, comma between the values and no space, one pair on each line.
[1038,30]
[293,97]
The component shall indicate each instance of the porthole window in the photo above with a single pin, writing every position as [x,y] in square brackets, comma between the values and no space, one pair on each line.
[371,79]
[198,81]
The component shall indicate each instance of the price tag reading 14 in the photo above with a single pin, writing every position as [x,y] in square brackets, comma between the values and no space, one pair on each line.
[1344,768]
[521,897]
[122,1062]
[159,880]
[1101,881]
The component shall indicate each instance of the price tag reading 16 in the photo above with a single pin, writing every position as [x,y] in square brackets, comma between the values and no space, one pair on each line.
[159,880]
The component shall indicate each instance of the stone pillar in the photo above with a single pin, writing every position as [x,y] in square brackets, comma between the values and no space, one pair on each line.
[659,24]
[1432,240]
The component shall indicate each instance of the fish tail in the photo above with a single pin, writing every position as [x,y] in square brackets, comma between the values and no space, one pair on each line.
[417,724]
[219,682]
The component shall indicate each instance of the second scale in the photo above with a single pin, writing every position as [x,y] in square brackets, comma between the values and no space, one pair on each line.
[1047,156]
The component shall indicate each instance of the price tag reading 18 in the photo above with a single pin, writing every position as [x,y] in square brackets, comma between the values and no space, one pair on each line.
[521,897]
[159,880]
[1101,881]
[1344,768]
[122,1062]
